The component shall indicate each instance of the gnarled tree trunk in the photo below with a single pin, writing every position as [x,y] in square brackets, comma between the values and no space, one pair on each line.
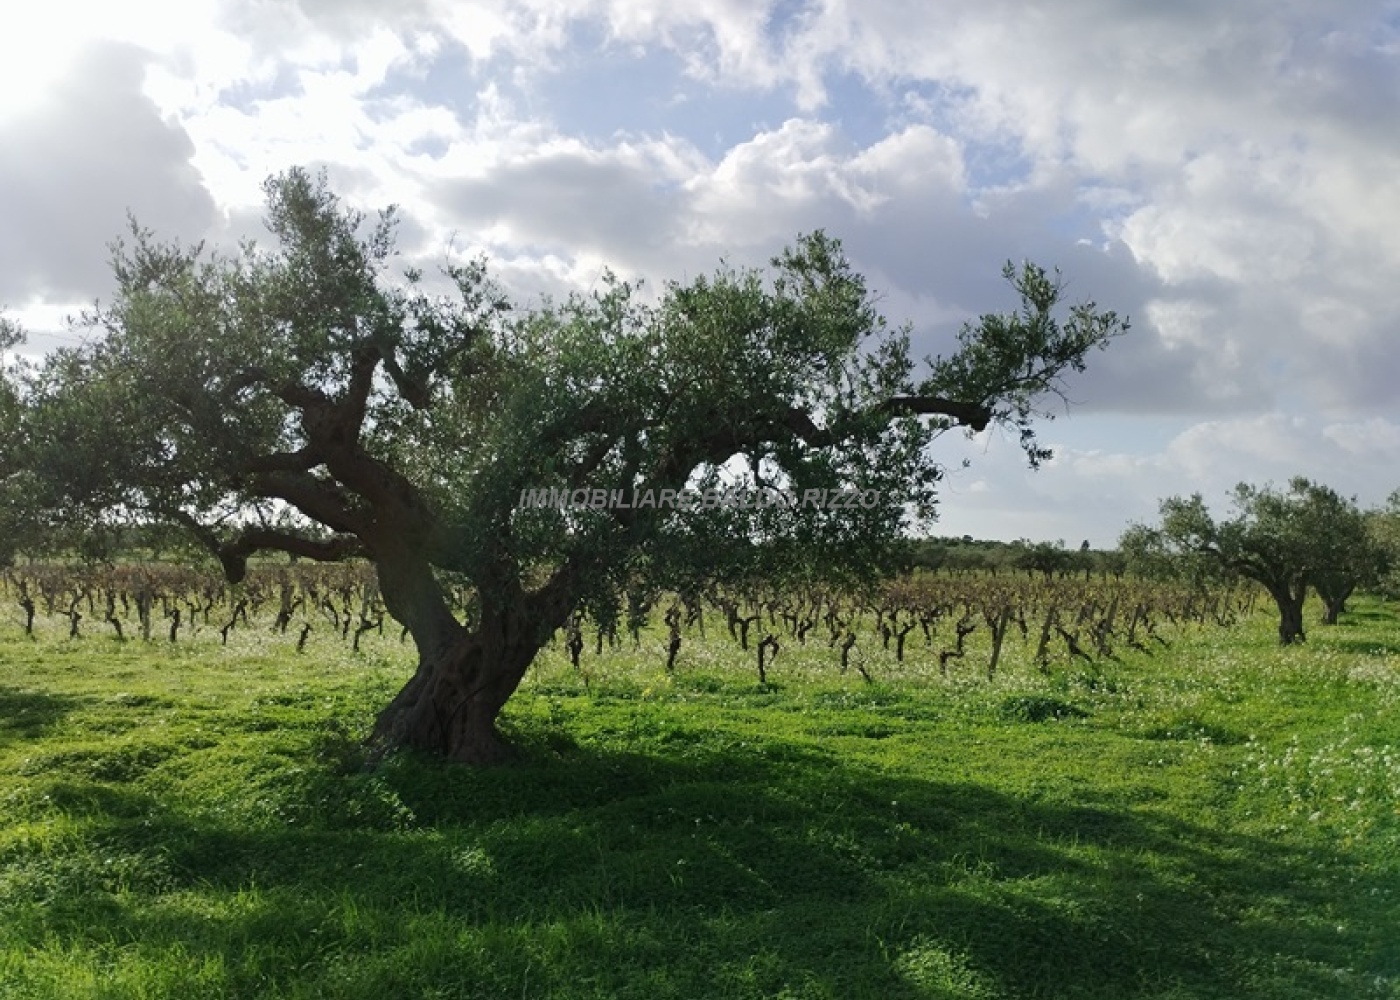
[464,676]
[1334,601]
[1290,611]
[451,703]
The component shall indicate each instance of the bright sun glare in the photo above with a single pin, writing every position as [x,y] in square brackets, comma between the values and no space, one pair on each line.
[40,42]
[37,45]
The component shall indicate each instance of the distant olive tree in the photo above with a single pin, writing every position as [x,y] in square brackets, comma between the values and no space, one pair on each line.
[1045,558]
[1286,540]
[1145,553]
[1364,565]
[11,335]
[1383,526]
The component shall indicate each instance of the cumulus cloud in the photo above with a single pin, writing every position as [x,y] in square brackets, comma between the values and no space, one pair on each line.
[1251,165]
[1185,164]
[91,150]
[565,195]
[1225,174]
[1096,491]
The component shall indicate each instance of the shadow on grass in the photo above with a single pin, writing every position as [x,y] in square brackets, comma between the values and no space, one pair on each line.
[697,871]
[1369,647]
[1368,612]
[27,715]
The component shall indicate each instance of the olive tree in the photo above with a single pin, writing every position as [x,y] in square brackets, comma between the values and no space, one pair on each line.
[1383,529]
[11,335]
[1364,564]
[1286,540]
[301,399]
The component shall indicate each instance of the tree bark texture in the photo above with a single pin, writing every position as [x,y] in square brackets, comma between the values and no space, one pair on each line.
[1334,603]
[451,703]
[1290,611]
[465,676]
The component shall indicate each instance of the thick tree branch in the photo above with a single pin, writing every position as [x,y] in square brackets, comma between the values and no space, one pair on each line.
[233,555]
[351,410]
[393,496]
[974,415]
[800,423]
[301,460]
[333,427]
[414,391]
[319,499]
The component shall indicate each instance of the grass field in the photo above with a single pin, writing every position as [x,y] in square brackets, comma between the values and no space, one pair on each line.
[1219,820]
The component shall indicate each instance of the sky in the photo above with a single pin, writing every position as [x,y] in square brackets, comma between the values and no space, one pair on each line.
[1226,174]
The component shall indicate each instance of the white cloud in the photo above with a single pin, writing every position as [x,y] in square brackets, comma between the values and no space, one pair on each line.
[1095,492]
[1215,449]
[1228,174]
[91,150]
[1375,441]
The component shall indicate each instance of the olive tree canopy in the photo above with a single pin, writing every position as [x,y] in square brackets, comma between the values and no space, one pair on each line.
[1286,540]
[10,508]
[301,400]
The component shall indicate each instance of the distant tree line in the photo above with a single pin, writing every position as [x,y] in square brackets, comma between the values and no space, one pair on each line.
[1050,560]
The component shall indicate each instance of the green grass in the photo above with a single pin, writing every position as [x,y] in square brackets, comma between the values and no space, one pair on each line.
[1219,820]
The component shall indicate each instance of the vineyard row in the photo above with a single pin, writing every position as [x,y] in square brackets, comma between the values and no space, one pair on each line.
[1074,618]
